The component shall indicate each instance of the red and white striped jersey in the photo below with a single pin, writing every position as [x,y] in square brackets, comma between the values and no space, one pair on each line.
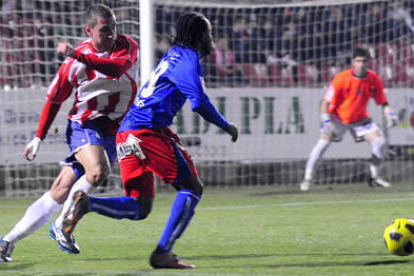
[105,84]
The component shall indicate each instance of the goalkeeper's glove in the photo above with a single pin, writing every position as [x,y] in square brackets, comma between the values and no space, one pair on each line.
[390,117]
[32,148]
[327,125]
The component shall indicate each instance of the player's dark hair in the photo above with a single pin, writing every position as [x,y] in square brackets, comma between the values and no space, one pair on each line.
[190,29]
[95,11]
[361,52]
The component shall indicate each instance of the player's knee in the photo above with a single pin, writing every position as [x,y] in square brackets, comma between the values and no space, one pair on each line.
[98,174]
[145,205]
[192,183]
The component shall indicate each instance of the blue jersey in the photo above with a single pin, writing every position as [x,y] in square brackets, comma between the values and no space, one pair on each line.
[177,77]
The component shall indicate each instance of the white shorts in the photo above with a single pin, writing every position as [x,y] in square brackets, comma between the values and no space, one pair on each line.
[358,130]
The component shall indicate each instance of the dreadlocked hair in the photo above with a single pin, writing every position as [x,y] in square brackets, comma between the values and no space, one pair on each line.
[190,29]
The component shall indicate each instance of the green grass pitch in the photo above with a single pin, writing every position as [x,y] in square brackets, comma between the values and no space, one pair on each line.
[263,230]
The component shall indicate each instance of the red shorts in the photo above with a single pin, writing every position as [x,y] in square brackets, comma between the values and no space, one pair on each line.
[146,151]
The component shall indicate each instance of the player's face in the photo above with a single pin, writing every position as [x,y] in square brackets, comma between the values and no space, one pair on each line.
[207,44]
[103,34]
[360,65]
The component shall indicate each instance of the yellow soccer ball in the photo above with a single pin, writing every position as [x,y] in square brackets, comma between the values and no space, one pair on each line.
[399,237]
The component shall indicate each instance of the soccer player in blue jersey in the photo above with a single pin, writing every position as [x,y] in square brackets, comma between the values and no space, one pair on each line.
[146,144]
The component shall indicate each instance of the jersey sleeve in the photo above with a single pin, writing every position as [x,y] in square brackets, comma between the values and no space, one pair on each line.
[61,86]
[120,61]
[49,112]
[188,80]
[379,94]
[333,90]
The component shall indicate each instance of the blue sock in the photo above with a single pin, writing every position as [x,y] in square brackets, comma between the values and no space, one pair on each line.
[182,211]
[116,207]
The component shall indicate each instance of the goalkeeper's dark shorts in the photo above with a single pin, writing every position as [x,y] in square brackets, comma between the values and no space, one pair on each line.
[146,151]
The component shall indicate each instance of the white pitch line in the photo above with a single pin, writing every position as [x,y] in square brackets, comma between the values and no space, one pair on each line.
[112,272]
[288,204]
[295,204]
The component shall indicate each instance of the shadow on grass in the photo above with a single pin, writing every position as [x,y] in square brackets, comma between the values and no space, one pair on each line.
[390,262]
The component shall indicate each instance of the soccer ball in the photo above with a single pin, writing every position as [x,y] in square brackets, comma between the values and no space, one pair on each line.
[399,237]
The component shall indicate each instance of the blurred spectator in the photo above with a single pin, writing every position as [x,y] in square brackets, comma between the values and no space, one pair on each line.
[399,12]
[239,38]
[226,70]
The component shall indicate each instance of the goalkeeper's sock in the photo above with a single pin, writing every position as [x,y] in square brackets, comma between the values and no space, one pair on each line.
[37,215]
[314,157]
[374,171]
[116,207]
[81,185]
[182,210]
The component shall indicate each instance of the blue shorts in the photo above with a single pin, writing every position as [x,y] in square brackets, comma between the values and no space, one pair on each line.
[78,136]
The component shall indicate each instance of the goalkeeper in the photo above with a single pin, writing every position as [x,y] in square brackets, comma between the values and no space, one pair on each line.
[147,145]
[103,71]
[344,107]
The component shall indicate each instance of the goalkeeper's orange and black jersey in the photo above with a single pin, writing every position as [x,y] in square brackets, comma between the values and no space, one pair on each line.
[349,95]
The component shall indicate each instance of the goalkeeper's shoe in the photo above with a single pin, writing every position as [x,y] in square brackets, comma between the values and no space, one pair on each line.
[168,260]
[66,241]
[6,249]
[378,182]
[305,185]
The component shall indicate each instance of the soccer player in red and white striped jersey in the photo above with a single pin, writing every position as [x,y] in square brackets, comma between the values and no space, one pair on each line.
[102,74]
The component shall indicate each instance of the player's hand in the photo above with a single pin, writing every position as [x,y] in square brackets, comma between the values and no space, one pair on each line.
[327,125]
[32,148]
[390,117]
[65,49]
[233,131]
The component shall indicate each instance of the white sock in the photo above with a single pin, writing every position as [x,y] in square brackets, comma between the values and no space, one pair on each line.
[314,157]
[81,185]
[37,215]
[378,147]
[374,171]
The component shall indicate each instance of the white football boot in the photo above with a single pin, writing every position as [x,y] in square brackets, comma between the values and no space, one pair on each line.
[305,185]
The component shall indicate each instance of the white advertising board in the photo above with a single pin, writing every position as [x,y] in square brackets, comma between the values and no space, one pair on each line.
[274,124]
